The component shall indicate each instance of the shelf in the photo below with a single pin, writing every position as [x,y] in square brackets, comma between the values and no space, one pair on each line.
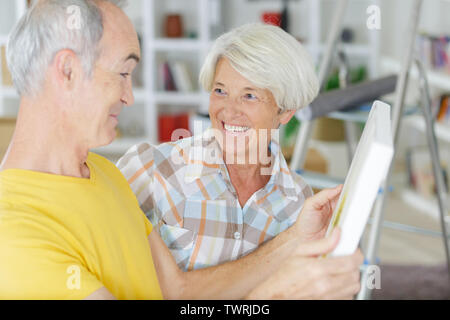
[179,98]
[139,95]
[354,116]
[356,49]
[9,92]
[120,146]
[349,49]
[419,202]
[319,180]
[435,78]
[184,44]
[442,131]
[3,40]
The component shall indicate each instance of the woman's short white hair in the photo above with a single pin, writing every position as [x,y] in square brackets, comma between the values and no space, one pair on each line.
[269,58]
[46,29]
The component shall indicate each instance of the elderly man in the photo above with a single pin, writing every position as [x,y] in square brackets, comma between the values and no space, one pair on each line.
[71,227]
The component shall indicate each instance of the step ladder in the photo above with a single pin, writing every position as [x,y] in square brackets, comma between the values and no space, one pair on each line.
[334,109]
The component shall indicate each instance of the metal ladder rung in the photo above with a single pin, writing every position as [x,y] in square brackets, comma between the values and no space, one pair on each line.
[320,180]
[360,115]
[409,228]
[353,116]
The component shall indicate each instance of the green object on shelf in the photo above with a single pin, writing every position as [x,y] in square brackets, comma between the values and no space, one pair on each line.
[291,128]
[333,81]
[192,35]
[358,74]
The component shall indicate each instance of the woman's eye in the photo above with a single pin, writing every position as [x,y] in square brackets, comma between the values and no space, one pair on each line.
[219,91]
[125,75]
[250,96]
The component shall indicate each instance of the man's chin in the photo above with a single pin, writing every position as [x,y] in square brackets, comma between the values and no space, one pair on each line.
[106,140]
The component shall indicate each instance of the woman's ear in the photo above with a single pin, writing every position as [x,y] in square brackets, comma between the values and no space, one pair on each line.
[286,116]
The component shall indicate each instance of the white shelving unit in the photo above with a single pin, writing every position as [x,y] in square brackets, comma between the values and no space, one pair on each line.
[155,46]
[438,81]
[9,92]
[148,95]
[442,131]
[316,45]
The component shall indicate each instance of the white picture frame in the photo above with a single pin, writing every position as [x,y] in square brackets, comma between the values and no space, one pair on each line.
[368,170]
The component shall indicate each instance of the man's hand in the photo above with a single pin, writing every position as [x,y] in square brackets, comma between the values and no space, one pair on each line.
[304,276]
[316,213]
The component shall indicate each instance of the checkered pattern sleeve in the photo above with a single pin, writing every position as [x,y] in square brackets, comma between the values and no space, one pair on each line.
[137,165]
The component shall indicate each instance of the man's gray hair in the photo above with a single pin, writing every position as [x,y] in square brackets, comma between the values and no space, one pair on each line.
[44,30]
[269,58]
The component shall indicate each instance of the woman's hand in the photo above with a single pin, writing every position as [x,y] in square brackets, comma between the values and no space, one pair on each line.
[313,220]
[304,276]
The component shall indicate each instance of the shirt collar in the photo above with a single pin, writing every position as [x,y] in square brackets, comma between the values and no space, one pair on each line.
[205,158]
[281,175]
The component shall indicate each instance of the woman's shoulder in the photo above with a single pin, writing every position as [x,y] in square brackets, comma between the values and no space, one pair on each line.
[146,153]
[302,184]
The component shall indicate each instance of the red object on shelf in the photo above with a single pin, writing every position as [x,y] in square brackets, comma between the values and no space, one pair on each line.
[273,18]
[183,121]
[174,26]
[168,123]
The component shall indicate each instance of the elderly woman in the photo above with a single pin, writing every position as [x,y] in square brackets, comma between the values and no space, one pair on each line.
[223,202]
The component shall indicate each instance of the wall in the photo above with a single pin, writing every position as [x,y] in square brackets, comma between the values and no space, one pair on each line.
[6,18]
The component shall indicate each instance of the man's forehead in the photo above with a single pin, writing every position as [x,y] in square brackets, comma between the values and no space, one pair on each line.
[115,20]
[120,40]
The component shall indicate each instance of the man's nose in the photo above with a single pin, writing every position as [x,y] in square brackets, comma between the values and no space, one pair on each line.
[128,96]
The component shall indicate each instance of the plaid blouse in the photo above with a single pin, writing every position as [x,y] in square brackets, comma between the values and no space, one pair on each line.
[190,200]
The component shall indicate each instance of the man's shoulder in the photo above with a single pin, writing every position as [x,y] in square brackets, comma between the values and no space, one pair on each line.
[19,220]
[99,161]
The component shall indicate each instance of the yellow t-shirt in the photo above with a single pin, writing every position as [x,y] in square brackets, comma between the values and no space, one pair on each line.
[64,238]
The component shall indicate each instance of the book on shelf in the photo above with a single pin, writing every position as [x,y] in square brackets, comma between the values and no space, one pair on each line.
[183,80]
[167,77]
[443,115]
[368,170]
[434,51]
[176,77]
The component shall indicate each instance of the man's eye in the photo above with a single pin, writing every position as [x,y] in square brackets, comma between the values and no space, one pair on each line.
[125,75]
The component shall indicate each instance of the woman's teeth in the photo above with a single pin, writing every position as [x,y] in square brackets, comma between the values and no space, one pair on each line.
[235,128]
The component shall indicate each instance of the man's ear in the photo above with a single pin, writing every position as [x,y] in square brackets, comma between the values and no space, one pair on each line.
[67,69]
[286,116]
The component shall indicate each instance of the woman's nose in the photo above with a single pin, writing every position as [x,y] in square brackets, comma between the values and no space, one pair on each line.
[233,106]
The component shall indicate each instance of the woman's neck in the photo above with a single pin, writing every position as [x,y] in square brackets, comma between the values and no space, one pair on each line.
[246,180]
